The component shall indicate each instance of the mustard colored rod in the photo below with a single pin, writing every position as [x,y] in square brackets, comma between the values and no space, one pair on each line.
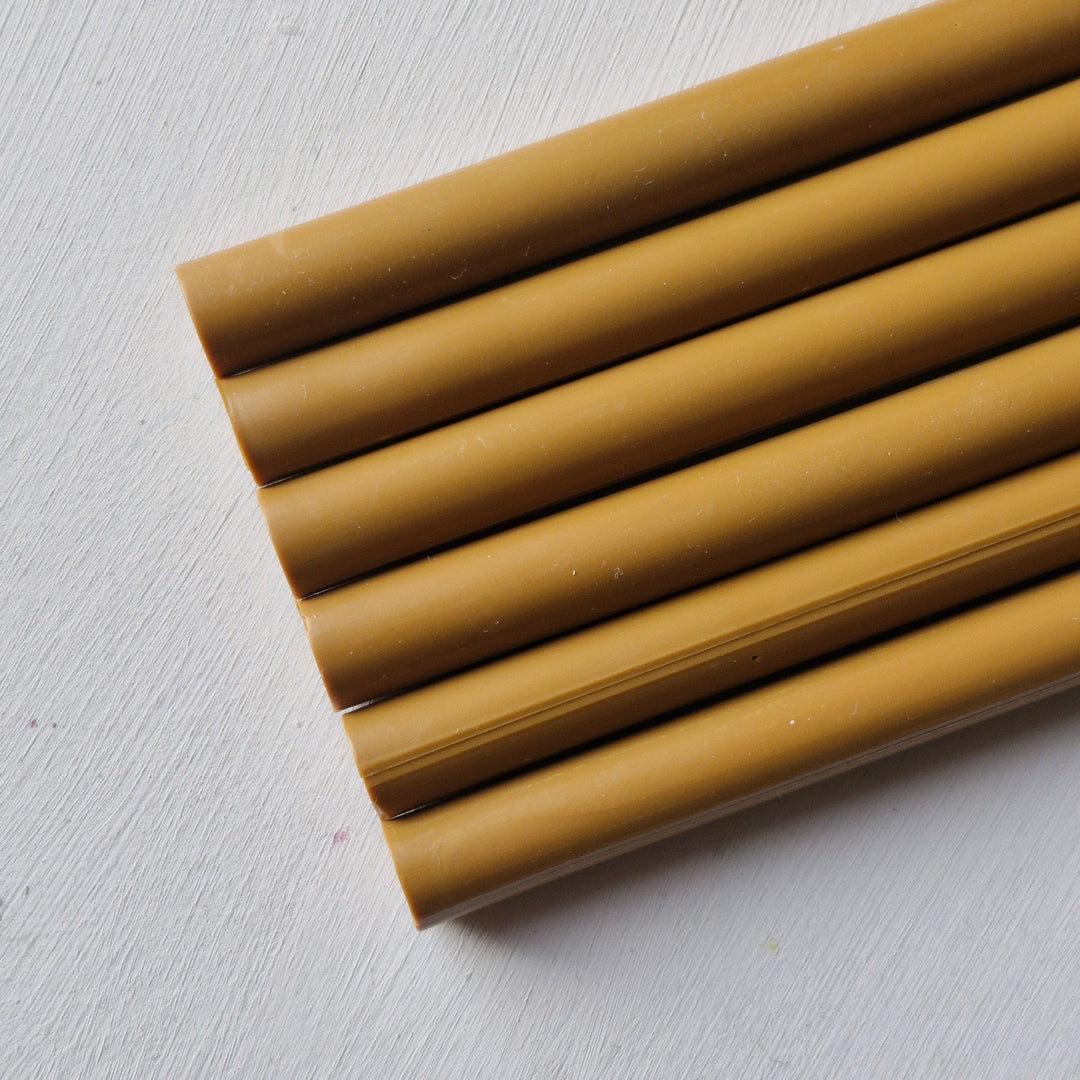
[288,291]
[632,298]
[425,746]
[411,624]
[348,519]
[458,856]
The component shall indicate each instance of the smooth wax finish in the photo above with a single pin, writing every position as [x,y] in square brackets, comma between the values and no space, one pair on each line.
[422,620]
[476,849]
[635,297]
[425,746]
[288,291]
[351,518]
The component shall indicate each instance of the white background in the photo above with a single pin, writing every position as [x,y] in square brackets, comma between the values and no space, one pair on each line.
[191,882]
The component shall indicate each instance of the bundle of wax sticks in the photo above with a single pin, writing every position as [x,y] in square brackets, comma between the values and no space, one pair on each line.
[658,529]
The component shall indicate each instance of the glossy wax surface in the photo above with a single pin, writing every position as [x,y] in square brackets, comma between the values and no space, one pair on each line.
[638,295]
[374,509]
[563,571]
[285,292]
[424,746]
[454,858]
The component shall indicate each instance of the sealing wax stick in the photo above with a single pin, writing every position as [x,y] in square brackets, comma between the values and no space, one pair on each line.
[476,849]
[350,518]
[425,370]
[422,620]
[285,292]
[425,746]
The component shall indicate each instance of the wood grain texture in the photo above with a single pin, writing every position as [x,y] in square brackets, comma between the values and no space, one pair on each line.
[191,882]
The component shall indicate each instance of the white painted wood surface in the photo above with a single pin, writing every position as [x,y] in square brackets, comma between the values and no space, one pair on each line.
[191,882]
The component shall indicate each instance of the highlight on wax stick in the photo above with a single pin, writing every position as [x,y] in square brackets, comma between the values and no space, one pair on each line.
[286,292]
[580,316]
[348,519]
[481,847]
[425,746]
[422,620]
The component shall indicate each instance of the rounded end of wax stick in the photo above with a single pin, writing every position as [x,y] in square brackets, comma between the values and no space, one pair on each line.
[203,294]
[304,412]
[242,428]
[399,855]
[265,299]
[247,307]
[325,532]
[332,656]
[348,720]
[289,530]
[357,731]
[441,876]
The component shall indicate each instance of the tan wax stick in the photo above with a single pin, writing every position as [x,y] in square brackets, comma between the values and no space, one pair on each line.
[350,518]
[425,746]
[629,299]
[408,625]
[476,849]
[285,292]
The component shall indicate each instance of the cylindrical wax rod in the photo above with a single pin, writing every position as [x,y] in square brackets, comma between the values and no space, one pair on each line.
[425,746]
[408,625]
[285,292]
[476,849]
[631,298]
[350,518]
